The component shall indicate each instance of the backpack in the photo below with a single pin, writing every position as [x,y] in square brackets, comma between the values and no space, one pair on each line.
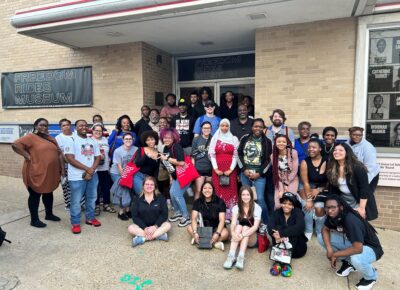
[3,237]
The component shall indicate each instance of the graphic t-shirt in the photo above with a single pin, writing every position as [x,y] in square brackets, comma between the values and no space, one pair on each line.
[122,157]
[63,139]
[184,126]
[252,154]
[84,150]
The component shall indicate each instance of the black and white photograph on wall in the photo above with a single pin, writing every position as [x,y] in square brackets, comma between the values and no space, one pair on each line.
[396,49]
[380,51]
[394,110]
[378,106]
[395,134]
[25,130]
[378,133]
[380,79]
[396,78]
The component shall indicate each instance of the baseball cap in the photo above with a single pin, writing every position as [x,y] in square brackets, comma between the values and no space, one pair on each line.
[182,102]
[209,103]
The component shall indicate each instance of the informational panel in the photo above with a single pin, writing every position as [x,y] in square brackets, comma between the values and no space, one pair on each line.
[9,133]
[219,67]
[47,88]
[383,100]
[390,172]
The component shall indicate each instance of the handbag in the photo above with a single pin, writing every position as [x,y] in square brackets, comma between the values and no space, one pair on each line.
[162,173]
[263,242]
[205,234]
[3,237]
[280,253]
[224,180]
[130,169]
[185,174]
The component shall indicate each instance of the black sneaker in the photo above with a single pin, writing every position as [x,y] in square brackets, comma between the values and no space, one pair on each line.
[365,284]
[176,217]
[345,270]
[184,222]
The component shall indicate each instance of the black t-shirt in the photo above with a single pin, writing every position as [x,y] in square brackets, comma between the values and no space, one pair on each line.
[210,210]
[356,231]
[177,154]
[184,126]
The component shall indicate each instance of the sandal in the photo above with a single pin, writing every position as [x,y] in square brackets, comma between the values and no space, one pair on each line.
[109,209]
[97,210]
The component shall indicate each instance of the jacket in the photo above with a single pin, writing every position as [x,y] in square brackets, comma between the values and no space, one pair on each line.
[359,187]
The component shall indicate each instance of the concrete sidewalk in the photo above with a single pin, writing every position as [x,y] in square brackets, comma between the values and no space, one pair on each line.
[99,258]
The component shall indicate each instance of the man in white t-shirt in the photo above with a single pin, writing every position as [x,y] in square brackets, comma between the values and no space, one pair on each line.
[83,156]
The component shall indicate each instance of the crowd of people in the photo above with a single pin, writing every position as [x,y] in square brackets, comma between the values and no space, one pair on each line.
[250,179]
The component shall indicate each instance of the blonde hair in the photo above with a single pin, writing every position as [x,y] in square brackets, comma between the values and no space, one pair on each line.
[156,191]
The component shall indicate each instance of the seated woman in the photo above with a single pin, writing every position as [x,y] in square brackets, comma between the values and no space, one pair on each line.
[212,209]
[348,177]
[246,218]
[149,215]
[288,222]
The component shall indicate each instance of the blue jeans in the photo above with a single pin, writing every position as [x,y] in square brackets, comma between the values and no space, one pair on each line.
[138,182]
[177,200]
[259,184]
[114,176]
[362,262]
[80,188]
[308,217]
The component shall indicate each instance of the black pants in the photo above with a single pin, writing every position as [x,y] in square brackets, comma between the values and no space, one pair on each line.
[103,189]
[34,200]
[374,183]
[269,193]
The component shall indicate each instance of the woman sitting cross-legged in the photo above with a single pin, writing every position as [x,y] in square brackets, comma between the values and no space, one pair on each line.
[288,222]
[149,214]
[212,209]
[246,218]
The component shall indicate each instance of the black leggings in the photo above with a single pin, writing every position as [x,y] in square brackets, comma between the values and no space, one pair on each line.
[34,200]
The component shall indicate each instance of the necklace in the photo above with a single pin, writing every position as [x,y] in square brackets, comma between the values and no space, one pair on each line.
[329,150]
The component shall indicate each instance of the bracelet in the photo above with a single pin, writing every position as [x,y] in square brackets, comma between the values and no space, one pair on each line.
[218,233]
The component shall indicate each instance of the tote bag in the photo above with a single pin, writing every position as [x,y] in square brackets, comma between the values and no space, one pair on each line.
[130,169]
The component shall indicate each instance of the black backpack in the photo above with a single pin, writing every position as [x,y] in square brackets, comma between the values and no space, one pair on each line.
[3,237]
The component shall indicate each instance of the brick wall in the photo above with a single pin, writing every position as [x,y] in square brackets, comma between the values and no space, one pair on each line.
[388,200]
[157,77]
[10,162]
[308,71]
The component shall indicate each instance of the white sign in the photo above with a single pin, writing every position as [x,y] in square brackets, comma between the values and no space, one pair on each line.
[390,172]
[9,133]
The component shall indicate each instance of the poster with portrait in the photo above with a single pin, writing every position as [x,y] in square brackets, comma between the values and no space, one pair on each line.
[380,50]
[396,50]
[378,106]
[380,79]
[396,78]
[394,108]
[395,134]
[378,133]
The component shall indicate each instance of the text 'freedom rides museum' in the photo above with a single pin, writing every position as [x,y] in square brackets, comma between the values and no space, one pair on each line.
[329,62]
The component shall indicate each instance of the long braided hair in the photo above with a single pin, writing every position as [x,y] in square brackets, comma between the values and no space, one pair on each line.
[275,158]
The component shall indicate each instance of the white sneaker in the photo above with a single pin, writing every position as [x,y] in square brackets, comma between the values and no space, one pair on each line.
[239,263]
[219,246]
[308,236]
[192,241]
[230,260]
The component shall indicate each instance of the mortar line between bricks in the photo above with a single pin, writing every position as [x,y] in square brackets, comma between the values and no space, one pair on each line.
[25,216]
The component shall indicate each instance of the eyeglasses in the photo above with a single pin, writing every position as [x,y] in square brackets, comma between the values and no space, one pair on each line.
[98,131]
[357,135]
[128,139]
[206,128]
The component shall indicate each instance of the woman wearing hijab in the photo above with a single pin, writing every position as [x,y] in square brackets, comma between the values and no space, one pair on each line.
[223,153]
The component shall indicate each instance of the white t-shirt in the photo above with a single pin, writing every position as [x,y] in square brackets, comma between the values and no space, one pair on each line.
[256,214]
[104,149]
[84,150]
[63,139]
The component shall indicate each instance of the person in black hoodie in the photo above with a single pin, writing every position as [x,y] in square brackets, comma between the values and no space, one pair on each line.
[288,222]
[255,155]
[149,215]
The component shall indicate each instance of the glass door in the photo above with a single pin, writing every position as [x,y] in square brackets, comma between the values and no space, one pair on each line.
[241,90]
[184,89]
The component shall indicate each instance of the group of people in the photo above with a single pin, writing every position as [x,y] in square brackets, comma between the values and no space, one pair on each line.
[253,179]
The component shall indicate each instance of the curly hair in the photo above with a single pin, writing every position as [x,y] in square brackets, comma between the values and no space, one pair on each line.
[118,126]
[148,134]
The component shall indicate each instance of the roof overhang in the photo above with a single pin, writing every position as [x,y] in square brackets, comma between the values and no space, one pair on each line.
[178,27]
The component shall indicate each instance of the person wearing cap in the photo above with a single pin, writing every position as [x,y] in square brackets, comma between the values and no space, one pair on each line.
[209,106]
[184,124]
[170,109]
[287,225]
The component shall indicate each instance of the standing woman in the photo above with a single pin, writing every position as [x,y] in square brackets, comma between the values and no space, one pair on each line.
[149,215]
[163,178]
[284,167]
[102,170]
[366,153]
[223,154]
[348,178]
[313,174]
[42,170]
[200,157]
[121,157]
[246,218]
[124,125]
[172,157]
[329,134]
[147,159]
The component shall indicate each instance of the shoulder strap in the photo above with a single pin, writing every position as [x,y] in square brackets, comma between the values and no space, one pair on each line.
[302,147]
